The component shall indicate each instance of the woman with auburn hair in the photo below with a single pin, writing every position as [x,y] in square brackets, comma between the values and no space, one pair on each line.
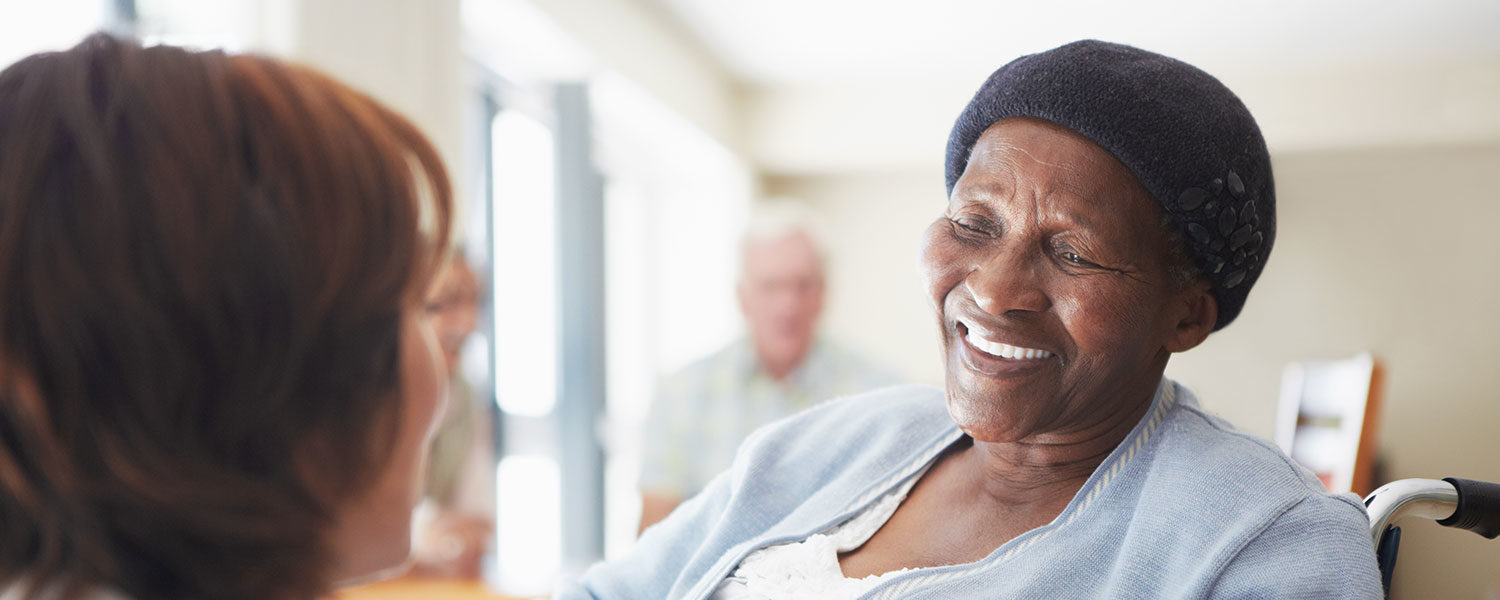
[216,379]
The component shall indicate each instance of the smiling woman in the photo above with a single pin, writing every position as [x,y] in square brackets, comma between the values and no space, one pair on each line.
[1051,289]
[1108,207]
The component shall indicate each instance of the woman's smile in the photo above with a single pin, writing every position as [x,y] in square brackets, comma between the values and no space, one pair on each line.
[983,354]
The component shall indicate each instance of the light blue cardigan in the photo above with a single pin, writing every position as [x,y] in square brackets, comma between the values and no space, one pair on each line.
[1185,507]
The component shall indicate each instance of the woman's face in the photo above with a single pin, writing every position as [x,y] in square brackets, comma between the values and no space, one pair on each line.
[1050,277]
[374,532]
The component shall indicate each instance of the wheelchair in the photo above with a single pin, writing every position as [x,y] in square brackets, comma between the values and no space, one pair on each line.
[1452,502]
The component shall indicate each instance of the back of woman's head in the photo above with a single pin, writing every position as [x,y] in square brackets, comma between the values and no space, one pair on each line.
[204,260]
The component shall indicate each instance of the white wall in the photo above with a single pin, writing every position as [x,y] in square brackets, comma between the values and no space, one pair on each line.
[407,54]
[1379,106]
[897,124]
[813,130]
[1390,251]
[630,38]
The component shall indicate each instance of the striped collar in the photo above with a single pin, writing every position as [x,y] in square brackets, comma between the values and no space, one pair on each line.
[1144,431]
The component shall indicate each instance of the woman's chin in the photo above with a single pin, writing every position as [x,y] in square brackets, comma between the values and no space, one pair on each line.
[385,558]
[363,577]
[986,421]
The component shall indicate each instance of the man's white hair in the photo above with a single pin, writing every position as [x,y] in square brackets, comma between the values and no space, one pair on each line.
[778,218]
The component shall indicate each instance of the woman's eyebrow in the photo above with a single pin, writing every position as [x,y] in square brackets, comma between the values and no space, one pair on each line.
[988,187]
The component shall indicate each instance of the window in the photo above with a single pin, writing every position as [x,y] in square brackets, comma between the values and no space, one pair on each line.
[528,517]
[588,168]
[30,27]
[525,277]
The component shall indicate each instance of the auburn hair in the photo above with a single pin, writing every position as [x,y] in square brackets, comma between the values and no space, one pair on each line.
[204,262]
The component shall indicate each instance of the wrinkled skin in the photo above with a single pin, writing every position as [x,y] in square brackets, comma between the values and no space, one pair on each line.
[1049,243]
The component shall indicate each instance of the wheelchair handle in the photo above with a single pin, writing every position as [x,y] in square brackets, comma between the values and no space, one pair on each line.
[1452,502]
[1430,498]
[1478,507]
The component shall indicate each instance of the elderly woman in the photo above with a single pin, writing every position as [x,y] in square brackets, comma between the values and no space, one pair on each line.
[217,378]
[1107,207]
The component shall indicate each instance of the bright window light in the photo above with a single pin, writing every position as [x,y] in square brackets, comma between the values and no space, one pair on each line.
[30,27]
[197,24]
[525,259]
[528,523]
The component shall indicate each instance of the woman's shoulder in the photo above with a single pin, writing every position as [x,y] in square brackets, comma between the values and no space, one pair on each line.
[856,438]
[1200,450]
[1202,495]
[912,400]
[893,413]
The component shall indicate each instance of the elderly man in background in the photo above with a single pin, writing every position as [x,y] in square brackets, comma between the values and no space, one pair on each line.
[702,413]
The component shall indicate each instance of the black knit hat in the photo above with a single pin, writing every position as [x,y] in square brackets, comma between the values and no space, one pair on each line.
[1188,139]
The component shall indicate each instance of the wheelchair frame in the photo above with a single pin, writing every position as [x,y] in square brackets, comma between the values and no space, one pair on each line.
[1452,502]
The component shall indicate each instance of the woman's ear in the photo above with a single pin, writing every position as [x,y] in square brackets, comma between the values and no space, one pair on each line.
[1197,314]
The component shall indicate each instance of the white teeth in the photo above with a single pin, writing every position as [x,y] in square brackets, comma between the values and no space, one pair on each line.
[1005,350]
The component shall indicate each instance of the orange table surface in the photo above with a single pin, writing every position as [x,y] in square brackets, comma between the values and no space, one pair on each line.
[414,588]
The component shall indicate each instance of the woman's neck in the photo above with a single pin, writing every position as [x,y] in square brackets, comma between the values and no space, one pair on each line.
[1047,469]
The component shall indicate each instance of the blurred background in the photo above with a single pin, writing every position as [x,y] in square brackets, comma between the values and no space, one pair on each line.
[609,152]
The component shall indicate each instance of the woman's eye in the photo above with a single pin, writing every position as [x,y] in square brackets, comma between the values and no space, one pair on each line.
[1067,254]
[969,227]
[1074,259]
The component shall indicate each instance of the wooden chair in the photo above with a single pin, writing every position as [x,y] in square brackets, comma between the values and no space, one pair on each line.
[1328,419]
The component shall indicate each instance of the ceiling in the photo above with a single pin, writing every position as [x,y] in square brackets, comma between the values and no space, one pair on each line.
[819,42]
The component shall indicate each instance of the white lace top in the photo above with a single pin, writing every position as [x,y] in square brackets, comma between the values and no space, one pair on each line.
[810,568]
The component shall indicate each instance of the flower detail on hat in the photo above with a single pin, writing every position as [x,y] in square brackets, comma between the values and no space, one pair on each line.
[1224,221]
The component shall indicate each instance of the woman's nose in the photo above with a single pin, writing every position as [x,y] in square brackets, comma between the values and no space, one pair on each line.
[1009,281]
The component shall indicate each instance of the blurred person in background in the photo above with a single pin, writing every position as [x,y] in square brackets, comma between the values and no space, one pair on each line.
[703,412]
[456,521]
[217,375]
